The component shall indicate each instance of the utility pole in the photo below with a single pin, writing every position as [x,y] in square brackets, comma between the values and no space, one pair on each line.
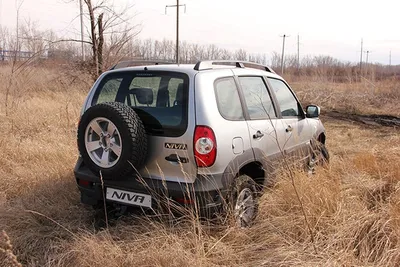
[361,53]
[298,53]
[177,27]
[81,15]
[17,49]
[367,52]
[177,31]
[1,5]
[283,52]
[390,58]
[366,61]
[2,48]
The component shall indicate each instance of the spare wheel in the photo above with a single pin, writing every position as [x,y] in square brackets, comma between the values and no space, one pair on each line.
[112,140]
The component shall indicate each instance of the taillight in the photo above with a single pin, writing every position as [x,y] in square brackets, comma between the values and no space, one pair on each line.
[185,200]
[205,146]
[84,183]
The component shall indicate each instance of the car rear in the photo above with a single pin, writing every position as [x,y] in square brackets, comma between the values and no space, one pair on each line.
[164,99]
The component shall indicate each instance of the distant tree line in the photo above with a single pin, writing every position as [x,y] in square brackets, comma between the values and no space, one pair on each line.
[121,45]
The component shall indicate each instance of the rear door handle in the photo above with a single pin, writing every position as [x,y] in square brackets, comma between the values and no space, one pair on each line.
[177,159]
[258,135]
[289,129]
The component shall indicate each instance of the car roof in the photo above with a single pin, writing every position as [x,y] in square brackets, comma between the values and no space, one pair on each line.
[186,68]
[190,69]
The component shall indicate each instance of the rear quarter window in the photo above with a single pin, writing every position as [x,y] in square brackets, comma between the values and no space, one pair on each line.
[228,100]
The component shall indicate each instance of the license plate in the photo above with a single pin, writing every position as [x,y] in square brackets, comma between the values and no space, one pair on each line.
[127,197]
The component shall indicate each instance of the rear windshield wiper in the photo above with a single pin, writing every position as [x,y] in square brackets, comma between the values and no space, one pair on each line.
[154,130]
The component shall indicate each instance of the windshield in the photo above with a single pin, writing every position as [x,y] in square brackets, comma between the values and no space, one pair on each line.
[159,98]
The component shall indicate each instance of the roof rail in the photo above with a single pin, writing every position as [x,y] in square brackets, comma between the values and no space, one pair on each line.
[131,63]
[208,64]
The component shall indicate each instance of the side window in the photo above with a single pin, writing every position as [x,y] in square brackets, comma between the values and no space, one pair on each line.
[110,90]
[258,100]
[228,99]
[286,100]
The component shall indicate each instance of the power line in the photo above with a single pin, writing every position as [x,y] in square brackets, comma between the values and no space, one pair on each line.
[177,27]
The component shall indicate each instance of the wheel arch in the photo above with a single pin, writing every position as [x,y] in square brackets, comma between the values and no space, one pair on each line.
[321,138]
[255,171]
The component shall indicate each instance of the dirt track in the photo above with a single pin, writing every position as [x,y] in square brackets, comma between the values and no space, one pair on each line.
[373,120]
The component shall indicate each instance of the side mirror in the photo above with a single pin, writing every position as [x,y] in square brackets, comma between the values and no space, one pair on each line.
[312,111]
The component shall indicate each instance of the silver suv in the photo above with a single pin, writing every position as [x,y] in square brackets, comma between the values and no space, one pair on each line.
[211,135]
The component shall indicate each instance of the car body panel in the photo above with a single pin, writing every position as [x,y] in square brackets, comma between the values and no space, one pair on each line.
[226,131]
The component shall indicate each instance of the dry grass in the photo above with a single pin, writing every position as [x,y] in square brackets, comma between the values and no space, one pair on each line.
[366,97]
[353,207]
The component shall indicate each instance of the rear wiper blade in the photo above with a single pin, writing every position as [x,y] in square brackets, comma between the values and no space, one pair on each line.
[153,130]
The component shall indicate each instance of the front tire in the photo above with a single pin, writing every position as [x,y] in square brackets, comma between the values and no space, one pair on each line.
[319,157]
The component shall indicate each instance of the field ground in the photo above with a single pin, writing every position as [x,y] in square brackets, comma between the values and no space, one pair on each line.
[353,207]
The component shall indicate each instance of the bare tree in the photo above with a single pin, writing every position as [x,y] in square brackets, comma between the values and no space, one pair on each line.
[258,58]
[226,54]
[212,52]
[184,51]
[197,53]
[275,60]
[31,38]
[110,31]
[4,35]
[241,54]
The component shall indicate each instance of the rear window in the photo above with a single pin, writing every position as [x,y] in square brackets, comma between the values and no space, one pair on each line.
[159,98]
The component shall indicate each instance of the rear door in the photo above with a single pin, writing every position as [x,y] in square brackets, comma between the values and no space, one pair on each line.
[262,121]
[164,101]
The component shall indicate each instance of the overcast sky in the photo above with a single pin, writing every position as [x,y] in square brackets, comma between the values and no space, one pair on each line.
[332,28]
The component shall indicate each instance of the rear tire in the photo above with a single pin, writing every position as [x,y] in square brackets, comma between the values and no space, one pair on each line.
[112,140]
[243,201]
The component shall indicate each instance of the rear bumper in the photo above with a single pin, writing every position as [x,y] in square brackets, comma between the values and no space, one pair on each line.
[208,192]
